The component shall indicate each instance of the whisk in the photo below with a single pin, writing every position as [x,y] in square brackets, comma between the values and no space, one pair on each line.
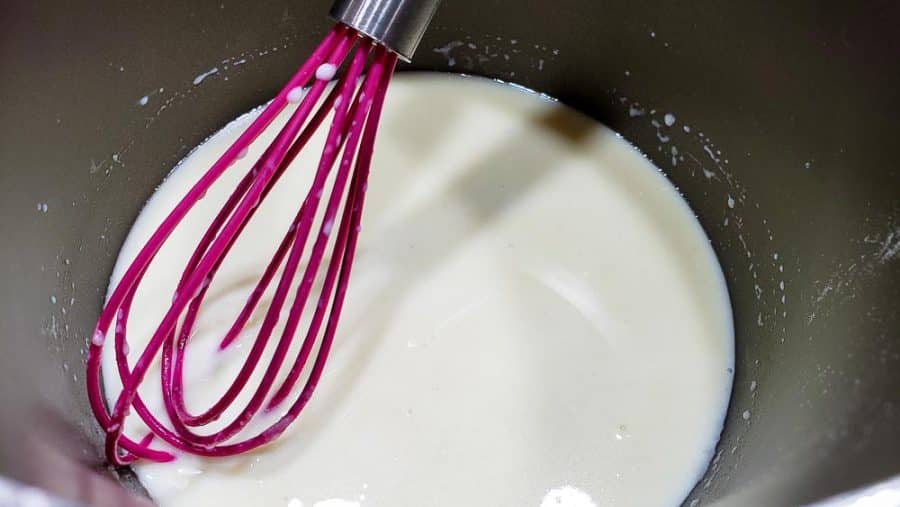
[369,37]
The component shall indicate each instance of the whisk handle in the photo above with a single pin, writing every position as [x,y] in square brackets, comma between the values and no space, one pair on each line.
[398,24]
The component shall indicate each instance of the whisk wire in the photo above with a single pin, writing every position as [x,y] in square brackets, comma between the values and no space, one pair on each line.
[356,112]
[301,235]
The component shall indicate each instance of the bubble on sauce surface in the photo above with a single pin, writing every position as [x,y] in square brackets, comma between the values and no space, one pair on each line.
[336,502]
[567,496]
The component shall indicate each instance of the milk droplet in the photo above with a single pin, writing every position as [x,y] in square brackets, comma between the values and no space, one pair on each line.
[199,79]
[746,415]
[296,95]
[326,72]
[669,119]
[98,338]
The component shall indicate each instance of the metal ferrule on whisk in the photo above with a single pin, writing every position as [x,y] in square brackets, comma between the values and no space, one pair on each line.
[397,24]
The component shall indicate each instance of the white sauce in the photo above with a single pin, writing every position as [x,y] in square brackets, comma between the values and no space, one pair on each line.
[535,318]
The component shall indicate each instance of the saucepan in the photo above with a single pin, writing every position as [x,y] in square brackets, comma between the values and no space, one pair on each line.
[789,163]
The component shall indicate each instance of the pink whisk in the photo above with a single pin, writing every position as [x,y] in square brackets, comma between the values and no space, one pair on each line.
[368,39]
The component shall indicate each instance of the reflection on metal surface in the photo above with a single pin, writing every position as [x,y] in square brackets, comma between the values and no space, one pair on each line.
[398,24]
[882,494]
[13,494]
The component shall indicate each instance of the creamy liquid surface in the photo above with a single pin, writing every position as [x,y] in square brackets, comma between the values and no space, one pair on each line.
[535,318]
